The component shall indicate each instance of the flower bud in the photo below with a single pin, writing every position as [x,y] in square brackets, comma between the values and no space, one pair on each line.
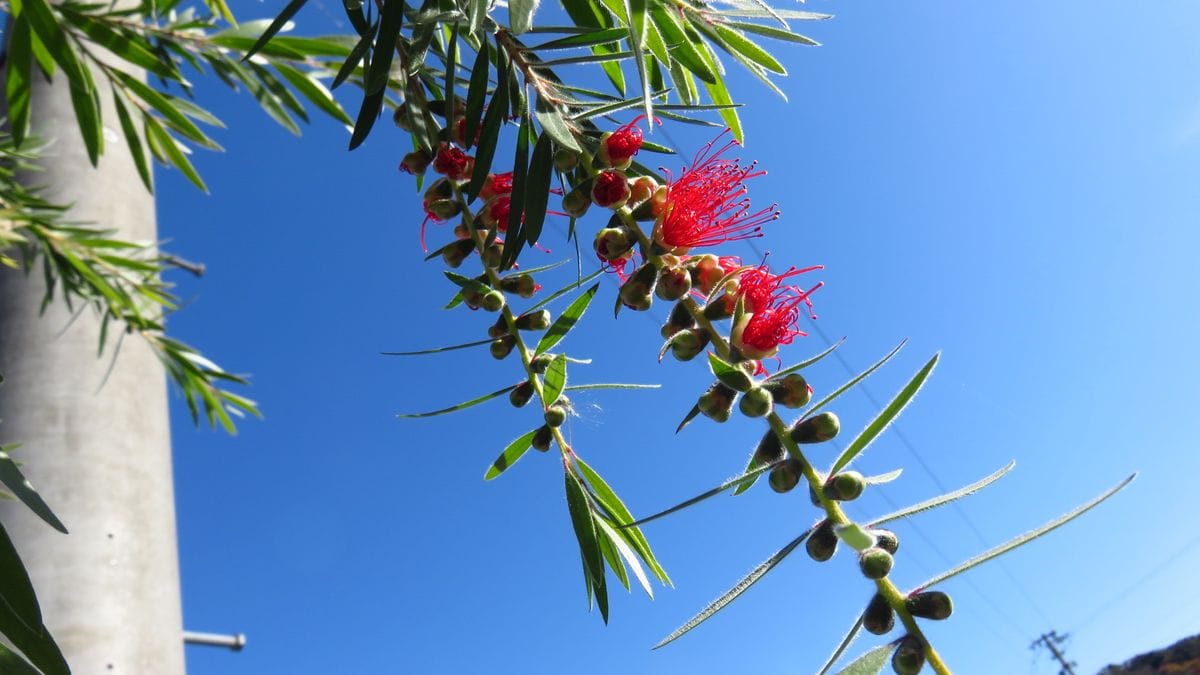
[886,540]
[451,162]
[653,207]
[540,363]
[875,563]
[756,403]
[520,395]
[822,543]
[791,391]
[636,292]
[542,438]
[673,283]
[400,117]
[688,343]
[461,231]
[613,243]
[720,308]
[493,301]
[816,429]
[539,320]
[845,486]
[576,202]
[768,450]
[717,402]
[643,188]
[785,476]
[706,272]
[565,159]
[555,415]
[503,346]
[415,162]
[934,605]
[443,209]
[879,618]
[610,189]
[679,319]
[455,253]
[491,255]
[521,284]
[909,657]
[498,329]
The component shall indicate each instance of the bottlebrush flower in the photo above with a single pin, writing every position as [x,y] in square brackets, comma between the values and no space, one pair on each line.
[707,204]
[452,162]
[772,310]
[617,148]
[757,286]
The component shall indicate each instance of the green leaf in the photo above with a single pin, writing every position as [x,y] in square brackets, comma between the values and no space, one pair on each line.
[161,140]
[87,113]
[842,646]
[744,46]
[883,478]
[620,513]
[467,283]
[15,588]
[871,663]
[520,15]
[611,557]
[720,95]
[682,48]
[806,363]
[885,416]
[440,349]
[565,290]
[493,120]
[566,321]
[635,11]
[461,406]
[476,94]
[627,553]
[15,481]
[286,15]
[54,40]
[15,665]
[134,140]
[743,479]
[587,39]
[314,91]
[555,379]
[476,13]
[855,536]
[688,418]
[515,236]
[164,106]
[537,189]
[18,76]
[853,381]
[585,528]
[391,20]
[1028,536]
[610,385]
[944,499]
[773,32]
[733,593]
[511,454]
[355,57]
[554,125]
[130,46]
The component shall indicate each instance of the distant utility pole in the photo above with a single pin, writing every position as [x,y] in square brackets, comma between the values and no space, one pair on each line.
[1051,641]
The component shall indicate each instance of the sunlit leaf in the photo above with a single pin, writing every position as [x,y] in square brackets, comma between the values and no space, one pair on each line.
[511,454]
[566,321]
[15,481]
[853,381]
[870,663]
[749,476]
[555,379]
[944,499]
[461,406]
[285,15]
[847,640]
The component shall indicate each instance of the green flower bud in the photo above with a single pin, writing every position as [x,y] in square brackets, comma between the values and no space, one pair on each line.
[540,363]
[845,486]
[822,543]
[706,272]
[613,243]
[498,329]
[909,657]
[679,319]
[785,476]
[673,283]
[444,209]
[542,438]
[643,188]
[539,320]
[875,563]
[816,429]
[493,301]
[790,392]
[491,256]
[688,343]
[756,402]
[565,159]
[636,292]
[555,415]
[934,605]
[454,254]
[520,395]
[415,162]
[502,347]
[717,402]
[720,308]
[577,202]
[521,284]
[768,450]
[886,540]
[879,618]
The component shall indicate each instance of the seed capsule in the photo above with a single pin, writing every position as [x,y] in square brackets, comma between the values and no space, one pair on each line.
[717,402]
[565,159]
[520,395]
[886,540]
[688,343]
[542,438]
[673,283]
[539,320]
[720,308]
[785,476]
[875,563]
[756,403]
[845,486]
[934,605]
[879,618]
[540,363]
[679,319]
[768,450]
[555,415]
[457,252]
[790,392]
[909,657]
[816,429]
[493,301]
[498,329]
[577,202]
[521,284]
[822,543]
[636,292]
[502,347]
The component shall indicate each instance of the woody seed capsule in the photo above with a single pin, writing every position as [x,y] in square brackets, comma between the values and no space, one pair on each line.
[636,292]
[502,347]
[886,540]
[520,395]
[565,159]
[791,391]
[688,343]
[909,657]
[879,618]
[542,438]
[498,329]
[934,605]
[756,402]
[768,450]
[673,283]
[577,202]
[875,563]
[845,486]
[720,308]
[493,301]
[555,415]
[540,363]
[816,429]
[521,284]
[539,320]
[717,402]
[785,476]
[455,253]
[822,543]
[679,319]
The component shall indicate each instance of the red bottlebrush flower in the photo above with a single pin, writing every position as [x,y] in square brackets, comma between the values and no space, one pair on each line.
[707,204]
[451,162]
[772,312]
[495,211]
[610,189]
[496,184]
[460,132]
[617,148]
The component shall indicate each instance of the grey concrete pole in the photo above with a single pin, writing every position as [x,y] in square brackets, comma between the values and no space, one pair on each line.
[100,454]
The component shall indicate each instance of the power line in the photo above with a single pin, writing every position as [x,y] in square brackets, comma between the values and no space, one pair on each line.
[1158,569]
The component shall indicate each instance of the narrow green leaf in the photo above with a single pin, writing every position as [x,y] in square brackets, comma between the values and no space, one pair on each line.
[476,13]
[537,188]
[87,114]
[467,283]
[15,481]
[130,46]
[493,120]
[611,557]
[842,646]
[620,513]
[749,476]
[161,140]
[870,663]
[773,32]
[520,15]
[588,39]
[18,76]
[164,106]
[776,14]
[806,363]
[461,406]
[885,416]
[439,349]
[688,418]
[391,20]
[314,91]
[54,39]
[515,236]
[883,478]
[1028,536]
[853,381]
[682,47]
[585,528]
[565,290]
[355,57]
[746,47]
[15,587]
[720,95]
[733,593]
[15,665]
[134,141]
[286,15]
[566,321]
[635,11]
[555,379]
[610,385]
[944,499]
[554,125]
[511,454]
[476,94]
[627,553]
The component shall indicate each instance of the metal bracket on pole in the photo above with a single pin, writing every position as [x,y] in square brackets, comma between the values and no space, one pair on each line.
[235,642]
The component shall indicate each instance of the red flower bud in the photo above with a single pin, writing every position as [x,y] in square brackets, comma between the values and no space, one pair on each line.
[610,189]
[451,162]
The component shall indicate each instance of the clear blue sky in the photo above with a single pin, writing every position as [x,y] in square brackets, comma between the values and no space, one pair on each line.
[1014,186]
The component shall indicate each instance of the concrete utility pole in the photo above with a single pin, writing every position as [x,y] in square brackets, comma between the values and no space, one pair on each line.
[99,455]
[1051,641]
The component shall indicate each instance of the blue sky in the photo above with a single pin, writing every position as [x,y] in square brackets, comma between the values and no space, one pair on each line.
[1012,186]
